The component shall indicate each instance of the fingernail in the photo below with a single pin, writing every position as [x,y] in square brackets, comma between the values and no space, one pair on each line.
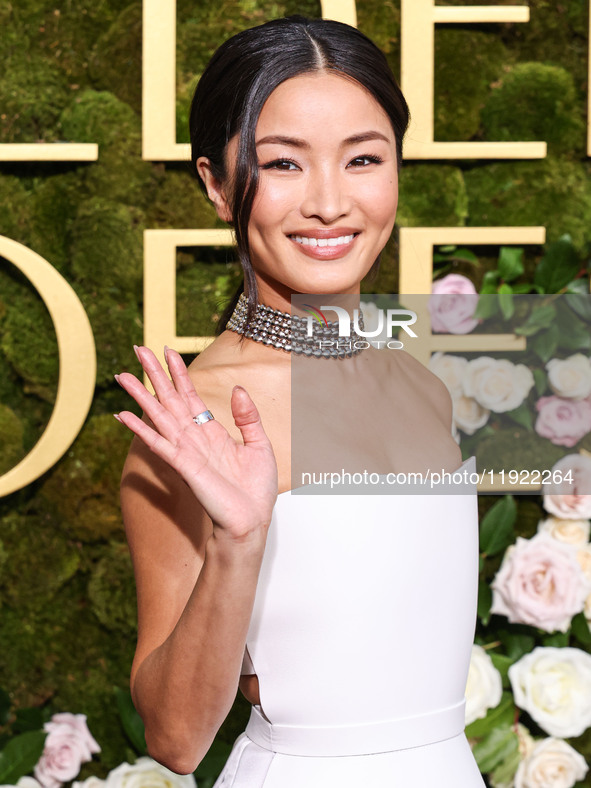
[238,387]
[117,379]
[166,349]
[116,415]
[137,353]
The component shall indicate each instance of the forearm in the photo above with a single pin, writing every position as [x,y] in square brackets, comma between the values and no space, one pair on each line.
[185,688]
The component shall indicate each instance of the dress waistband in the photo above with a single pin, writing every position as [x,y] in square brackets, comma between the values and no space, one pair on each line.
[365,739]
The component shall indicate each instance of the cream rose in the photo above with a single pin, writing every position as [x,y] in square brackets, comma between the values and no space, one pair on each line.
[468,414]
[540,583]
[553,685]
[575,532]
[484,687]
[449,369]
[584,559]
[68,745]
[497,384]
[147,772]
[553,763]
[570,377]
[566,499]
[90,782]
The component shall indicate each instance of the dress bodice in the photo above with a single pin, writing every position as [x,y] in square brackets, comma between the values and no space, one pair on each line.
[365,607]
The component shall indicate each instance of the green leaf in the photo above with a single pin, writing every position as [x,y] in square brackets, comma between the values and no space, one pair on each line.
[540,317]
[541,380]
[558,266]
[516,643]
[522,415]
[580,629]
[497,746]
[4,706]
[497,526]
[484,601]
[131,721]
[524,287]
[28,720]
[20,756]
[578,286]
[212,763]
[487,305]
[544,344]
[503,714]
[510,263]
[556,639]
[502,663]
[506,300]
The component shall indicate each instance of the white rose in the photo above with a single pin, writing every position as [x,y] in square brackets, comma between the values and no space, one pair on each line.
[554,763]
[468,414]
[575,532]
[553,685]
[568,495]
[450,370]
[147,772]
[584,559]
[570,377]
[484,687]
[497,384]
[90,782]
[526,741]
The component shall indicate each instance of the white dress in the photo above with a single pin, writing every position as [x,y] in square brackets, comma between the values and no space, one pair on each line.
[361,637]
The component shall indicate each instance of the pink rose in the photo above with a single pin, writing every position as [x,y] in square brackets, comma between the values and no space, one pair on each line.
[452,304]
[566,499]
[563,421]
[540,583]
[68,745]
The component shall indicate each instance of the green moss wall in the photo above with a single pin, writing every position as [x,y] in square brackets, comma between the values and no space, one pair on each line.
[72,72]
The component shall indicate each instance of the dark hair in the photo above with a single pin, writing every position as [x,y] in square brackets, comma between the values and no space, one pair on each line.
[239,78]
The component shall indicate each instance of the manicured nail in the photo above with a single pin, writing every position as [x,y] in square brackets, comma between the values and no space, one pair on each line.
[137,353]
[117,379]
[116,415]
[166,349]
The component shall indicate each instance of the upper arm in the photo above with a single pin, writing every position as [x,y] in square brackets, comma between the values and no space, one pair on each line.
[167,530]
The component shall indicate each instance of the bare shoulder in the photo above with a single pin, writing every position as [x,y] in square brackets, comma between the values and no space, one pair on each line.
[423,384]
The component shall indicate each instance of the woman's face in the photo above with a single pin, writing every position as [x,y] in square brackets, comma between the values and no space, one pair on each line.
[327,170]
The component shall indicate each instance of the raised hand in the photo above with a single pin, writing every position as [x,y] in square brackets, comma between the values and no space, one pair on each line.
[235,483]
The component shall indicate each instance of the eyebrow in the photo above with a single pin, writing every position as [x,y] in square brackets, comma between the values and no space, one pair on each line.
[279,139]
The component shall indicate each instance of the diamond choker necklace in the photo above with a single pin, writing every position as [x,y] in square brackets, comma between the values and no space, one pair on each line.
[289,332]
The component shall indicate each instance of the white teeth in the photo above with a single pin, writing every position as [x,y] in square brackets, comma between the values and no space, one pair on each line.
[340,241]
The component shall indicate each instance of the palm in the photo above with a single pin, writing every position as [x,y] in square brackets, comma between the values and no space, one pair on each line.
[235,483]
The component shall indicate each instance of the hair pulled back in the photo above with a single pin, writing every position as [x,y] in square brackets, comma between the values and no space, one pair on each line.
[240,77]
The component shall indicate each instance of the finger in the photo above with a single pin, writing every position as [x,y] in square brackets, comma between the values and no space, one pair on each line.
[163,386]
[183,383]
[247,418]
[155,442]
[165,422]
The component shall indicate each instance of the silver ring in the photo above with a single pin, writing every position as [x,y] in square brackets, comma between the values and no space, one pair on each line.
[201,418]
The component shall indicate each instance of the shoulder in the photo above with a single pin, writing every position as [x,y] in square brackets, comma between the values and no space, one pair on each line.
[423,384]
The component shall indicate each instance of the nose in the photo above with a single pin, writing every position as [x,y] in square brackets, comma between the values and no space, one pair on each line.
[327,196]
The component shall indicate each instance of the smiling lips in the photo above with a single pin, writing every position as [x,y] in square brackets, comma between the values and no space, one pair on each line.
[326,244]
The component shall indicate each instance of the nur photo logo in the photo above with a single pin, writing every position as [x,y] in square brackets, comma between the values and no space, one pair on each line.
[378,336]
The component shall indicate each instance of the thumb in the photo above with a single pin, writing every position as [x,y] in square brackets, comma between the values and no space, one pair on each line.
[247,417]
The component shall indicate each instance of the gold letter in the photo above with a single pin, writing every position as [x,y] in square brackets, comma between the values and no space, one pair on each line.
[77,372]
[417,74]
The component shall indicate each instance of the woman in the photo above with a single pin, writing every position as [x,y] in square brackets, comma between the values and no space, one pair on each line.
[297,129]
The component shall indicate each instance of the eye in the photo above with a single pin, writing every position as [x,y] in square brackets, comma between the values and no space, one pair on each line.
[276,165]
[371,159]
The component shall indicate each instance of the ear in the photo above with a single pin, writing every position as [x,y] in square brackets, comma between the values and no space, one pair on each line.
[215,189]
